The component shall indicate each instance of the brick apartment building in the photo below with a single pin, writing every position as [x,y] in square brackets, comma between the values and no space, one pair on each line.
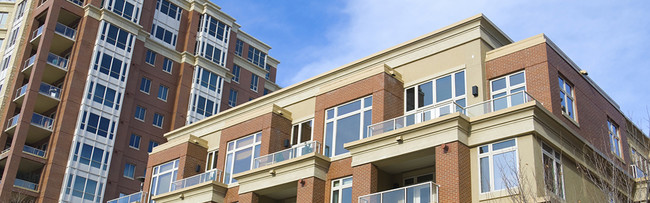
[91,87]
[462,114]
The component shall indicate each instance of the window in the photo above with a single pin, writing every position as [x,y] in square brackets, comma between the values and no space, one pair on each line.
[215,28]
[266,91]
[208,79]
[443,89]
[302,132]
[342,190]
[117,37]
[158,120]
[268,72]
[20,10]
[163,177]
[346,123]
[104,95]
[211,161]
[232,99]
[3,19]
[256,56]
[140,113]
[134,142]
[614,138]
[240,155]
[83,188]
[498,166]
[129,171]
[254,80]
[168,9]
[145,85]
[163,34]
[512,85]
[566,96]
[14,35]
[91,156]
[98,125]
[553,173]
[211,52]
[152,144]
[5,62]
[235,72]
[167,65]
[124,8]
[110,66]
[203,106]
[639,164]
[162,92]
[239,46]
[418,179]
[151,57]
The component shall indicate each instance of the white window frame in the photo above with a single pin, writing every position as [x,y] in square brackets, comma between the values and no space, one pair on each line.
[567,95]
[614,134]
[337,117]
[139,141]
[508,89]
[490,154]
[340,188]
[299,124]
[232,150]
[132,171]
[556,158]
[155,174]
[254,82]
[211,160]
[165,94]
[455,98]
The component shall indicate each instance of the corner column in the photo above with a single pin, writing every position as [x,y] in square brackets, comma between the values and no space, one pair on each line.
[310,190]
[453,172]
[364,180]
[249,197]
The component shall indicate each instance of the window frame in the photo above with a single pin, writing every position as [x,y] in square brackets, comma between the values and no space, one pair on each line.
[168,65]
[555,157]
[236,70]
[254,82]
[163,95]
[156,173]
[134,141]
[131,170]
[490,155]
[232,100]
[454,97]
[211,160]
[300,129]
[614,133]
[137,111]
[507,90]
[330,151]
[150,57]
[340,188]
[158,120]
[232,149]
[146,83]
[564,95]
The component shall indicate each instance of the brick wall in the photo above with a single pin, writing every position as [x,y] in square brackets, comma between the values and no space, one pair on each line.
[453,172]
[311,191]
[189,154]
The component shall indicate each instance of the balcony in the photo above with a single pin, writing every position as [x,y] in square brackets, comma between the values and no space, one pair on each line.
[293,152]
[33,151]
[208,176]
[499,103]
[49,97]
[29,62]
[65,31]
[132,198]
[419,116]
[205,187]
[420,193]
[11,124]
[36,36]
[55,69]
[64,38]
[25,184]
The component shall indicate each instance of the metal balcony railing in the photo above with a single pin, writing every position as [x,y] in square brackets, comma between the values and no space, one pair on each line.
[293,152]
[211,175]
[29,62]
[419,116]
[13,121]
[50,91]
[420,193]
[5,151]
[33,151]
[57,61]
[42,121]
[65,31]
[498,103]
[25,184]
[21,91]
[37,32]
[135,197]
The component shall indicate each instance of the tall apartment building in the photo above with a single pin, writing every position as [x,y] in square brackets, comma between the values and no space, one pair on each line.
[95,84]
[12,31]
[462,114]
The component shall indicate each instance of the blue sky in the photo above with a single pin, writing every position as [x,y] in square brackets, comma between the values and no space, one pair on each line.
[609,39]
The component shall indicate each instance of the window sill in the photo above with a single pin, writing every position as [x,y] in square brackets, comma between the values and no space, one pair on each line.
[132,147]
[340,157]
[144,92]
[157,126]
[152,65]
[139,119]
[571,119]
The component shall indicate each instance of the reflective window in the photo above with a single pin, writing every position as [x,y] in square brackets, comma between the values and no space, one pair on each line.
[341,190]
[82,187]
[614,139]
[104,95]
[507,91]
[215,28]
[212,52]
[498,166]
[235,72]
[91,156]
[440,90]
[256,56]
[98,125]
[110,66]
[254,81]
[240,155]
[163,34]
[566,96]
[553,172]
[3,19]
[639,164]
[123,8]
[134,141]
[208,79]
[145,85]
[169,9]
[350,124]
[151,57]
[163,176]
[129,171]
[158,120]
[211,160]
[162,92]
[239,46]
[232,99]
[167,65]
[152,144]
[117,37]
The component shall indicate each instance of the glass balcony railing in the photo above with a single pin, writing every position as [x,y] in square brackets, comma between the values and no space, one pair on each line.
[25,184]
[29,62]
[13,121]
[211,175]
[293,152]
[419,116]
[498,103]
[21,91]
[78,2]
[420,193]
[37,32]
[57,61]
[65,30]
[42,121]
[5,151]
[135,197]
[33,151]
[50,91]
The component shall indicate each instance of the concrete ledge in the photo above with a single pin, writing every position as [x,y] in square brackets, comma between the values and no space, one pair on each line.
[205,192]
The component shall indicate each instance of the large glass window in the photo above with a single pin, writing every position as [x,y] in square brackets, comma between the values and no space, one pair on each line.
[508,85]
[553,172]
[443,89]
[215,28]
[614,138]
[83,188]
[240,155]
[302,132]
[204,106]
[97,124]
[104,95]
[117,37]
[89,155]
[209,80]
[163,176]
[163,34]
[256,56]
[169,9]
[123,8]
[341,190]
[498,165]
[566,96]
[346,123]
[3,19]
[110,66]
[212,53]
[254,81]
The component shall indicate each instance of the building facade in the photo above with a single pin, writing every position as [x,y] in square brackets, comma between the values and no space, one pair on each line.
[91,87]
[462,114]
